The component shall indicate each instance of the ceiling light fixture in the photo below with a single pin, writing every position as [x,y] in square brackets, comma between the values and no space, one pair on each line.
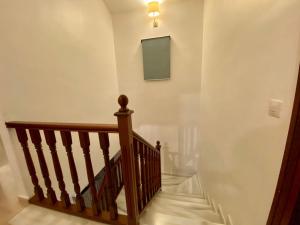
[153,11]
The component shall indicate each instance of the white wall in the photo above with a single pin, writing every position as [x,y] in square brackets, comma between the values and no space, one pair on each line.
[57,63]
[250,55]
[165,110]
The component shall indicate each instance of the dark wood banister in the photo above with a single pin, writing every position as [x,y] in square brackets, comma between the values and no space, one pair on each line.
[83,127]
[140,162]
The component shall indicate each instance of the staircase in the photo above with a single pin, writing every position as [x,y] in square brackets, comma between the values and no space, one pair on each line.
[128,190]
[180,202]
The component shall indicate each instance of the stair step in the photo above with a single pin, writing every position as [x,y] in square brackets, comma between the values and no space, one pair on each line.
[156,218]
[180,204]
[183,194]
[168,180]
[207,214]
[189,186]
[196,199]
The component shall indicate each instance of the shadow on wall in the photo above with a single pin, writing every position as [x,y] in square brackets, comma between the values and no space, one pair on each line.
[179,147]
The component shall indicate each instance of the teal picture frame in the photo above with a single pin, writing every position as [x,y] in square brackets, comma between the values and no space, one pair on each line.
[156,58]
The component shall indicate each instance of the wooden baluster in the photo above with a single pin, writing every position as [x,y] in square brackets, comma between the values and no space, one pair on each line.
[155,175]
[158,147]
[120,172]
[128,165]
[116,175]
[101,204]
[103,199]
[85,145]
[157,171]
[66,138]
[142,157]
[147,173]
[154,169]
[107,201]
[137,171]
[51,141]
[104,144]
[37,141]
[23,139]
[151,172]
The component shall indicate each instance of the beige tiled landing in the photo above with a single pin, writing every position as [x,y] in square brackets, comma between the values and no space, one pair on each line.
[34,215]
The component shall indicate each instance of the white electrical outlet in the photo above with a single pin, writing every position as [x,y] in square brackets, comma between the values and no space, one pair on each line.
[275,106]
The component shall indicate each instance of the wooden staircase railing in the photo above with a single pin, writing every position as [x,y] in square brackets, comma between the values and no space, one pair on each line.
[137,167]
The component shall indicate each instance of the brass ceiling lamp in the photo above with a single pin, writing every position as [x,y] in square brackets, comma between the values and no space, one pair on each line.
[153,11]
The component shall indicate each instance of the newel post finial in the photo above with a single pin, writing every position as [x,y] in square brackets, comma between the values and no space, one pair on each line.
[158,146]
[123,102]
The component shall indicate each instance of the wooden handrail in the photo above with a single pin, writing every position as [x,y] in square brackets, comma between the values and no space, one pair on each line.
[83,127]
[141,139]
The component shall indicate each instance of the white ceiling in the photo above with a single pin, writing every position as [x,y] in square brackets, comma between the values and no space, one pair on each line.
[116,6]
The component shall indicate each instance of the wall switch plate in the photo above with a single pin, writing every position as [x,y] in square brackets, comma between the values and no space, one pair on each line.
[275,107]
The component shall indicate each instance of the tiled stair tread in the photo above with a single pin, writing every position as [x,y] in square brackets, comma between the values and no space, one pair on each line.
[189,186]
[170,176]
[153,217]
[172,202]
[197,199]
[168,180]
[190,213]
[183,194]
[171,183]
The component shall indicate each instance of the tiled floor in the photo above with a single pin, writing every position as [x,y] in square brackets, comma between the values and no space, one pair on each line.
[34,215]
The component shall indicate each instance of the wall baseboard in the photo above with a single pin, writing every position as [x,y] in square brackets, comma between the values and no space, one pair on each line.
[23,199]
[216,207]
[221,213]
[229,220]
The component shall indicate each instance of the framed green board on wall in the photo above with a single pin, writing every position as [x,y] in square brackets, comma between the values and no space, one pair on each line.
[156,58]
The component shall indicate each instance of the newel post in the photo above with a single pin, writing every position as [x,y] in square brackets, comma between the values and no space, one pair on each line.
[128,164]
